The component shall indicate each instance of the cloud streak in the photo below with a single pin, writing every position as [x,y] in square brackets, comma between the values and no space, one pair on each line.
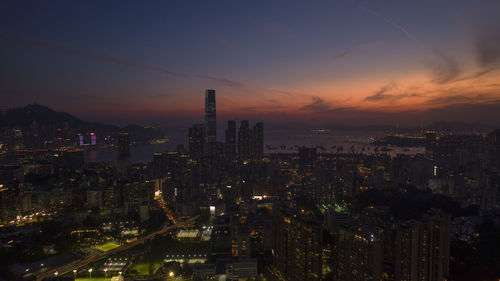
[355,49]
[70,50]
[319,105]
[383,94]
[385,19]
[446,69]
[486,48]
[463,98]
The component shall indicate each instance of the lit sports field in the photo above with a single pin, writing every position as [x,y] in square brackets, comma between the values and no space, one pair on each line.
[191,261]
[143,268]
[107,246]
[205,236]
[187,233]
[94,278]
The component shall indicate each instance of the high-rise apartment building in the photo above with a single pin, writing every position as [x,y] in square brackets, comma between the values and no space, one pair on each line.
[297,244]
[357,255]
[258,141]
[230,145]
[196,141]
[244,142]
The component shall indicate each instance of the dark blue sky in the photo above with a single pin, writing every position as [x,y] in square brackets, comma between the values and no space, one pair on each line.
[150,61]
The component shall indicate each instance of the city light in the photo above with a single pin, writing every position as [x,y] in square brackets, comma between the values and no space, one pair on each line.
[343,140]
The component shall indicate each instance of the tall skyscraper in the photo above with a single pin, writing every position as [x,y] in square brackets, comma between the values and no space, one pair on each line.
[258,141]
[244,142]
[210,117]
[196,141]
[231,140]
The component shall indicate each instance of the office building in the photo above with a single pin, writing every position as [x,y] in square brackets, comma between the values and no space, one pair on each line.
[123,145]
[210,117]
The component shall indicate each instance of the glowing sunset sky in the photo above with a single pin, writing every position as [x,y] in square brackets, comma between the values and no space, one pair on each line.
[337,61]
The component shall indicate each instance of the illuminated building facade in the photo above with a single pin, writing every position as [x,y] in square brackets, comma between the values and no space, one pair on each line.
[258,141]
[297,245]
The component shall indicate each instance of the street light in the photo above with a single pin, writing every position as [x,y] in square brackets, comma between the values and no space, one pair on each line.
[56,273]
[105,271]
[171,274]
[74,273]
[90,272]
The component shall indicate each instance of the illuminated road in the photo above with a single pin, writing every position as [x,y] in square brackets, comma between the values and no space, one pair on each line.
[68,268]
[169,213]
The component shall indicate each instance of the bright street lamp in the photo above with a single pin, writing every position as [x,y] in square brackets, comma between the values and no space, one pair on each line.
[74,273]
[90,272]
[105,271]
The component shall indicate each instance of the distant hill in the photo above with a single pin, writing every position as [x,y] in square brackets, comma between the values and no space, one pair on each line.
[442,126]
[40,115]
[458,127]
[47,120]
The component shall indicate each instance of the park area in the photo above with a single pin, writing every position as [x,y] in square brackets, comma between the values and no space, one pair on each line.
[144,268]
[107,246]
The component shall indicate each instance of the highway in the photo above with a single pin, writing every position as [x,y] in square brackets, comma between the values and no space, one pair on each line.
[68,268]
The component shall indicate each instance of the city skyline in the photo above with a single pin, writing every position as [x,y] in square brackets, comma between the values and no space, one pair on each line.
[336,140]
[352,62]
